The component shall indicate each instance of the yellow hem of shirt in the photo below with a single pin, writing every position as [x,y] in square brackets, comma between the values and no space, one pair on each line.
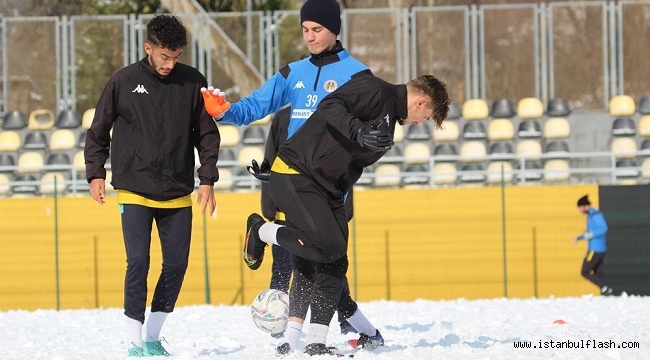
[127,197]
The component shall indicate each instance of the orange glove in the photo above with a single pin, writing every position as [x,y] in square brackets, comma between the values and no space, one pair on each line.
[215,102]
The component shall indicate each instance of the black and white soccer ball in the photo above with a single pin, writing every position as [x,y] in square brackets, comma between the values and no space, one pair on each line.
[270,311]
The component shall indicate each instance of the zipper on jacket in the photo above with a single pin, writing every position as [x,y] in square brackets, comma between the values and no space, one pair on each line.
[320,66]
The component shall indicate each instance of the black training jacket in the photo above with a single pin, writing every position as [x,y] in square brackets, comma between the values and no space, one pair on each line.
[156,122]
[325,148]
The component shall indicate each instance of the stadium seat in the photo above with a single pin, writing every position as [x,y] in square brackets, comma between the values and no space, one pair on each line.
[227,158]
[474,130]
[398,136]
[14,120]
[528,149]
[501,129]
[644,126]
[387,175]
[557,149]
[87,118]
[68,119]
[62,139]
[454,111]
[502,108]
[35,140]
[245,181]
[30,162]
[109,178]
[418,132]
[498,171]
[624,147]
[645,168]
[58,158]
[529,128]
[417,153]
[444,173]
[556,170]
[81,143]
[79,161]
[7,160]
[622,105]
[473,151]
[9,141]
[627,169]
[557,128]
[644,105]
[226,180]
[25,184]
[558,107]
[5,187]
[530,108]
[623,126]
[475,109]
[367,178]
[247,154]
[229,135]
[531,171]
[47,183]
[253,135]
[501,150]
[265,120]
[41,119]
[415,176]
[394,155]
[449,132]
[472,173]
[445,152]
[645,147]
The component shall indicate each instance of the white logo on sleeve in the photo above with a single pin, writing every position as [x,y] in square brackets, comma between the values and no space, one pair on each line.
[140,89]
[299,85]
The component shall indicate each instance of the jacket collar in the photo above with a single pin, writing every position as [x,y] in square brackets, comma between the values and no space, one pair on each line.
[329,56]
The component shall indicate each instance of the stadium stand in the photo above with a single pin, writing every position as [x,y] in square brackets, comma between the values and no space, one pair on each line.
[14,120]
[41,119]
[398,136]
[449,132]
[62,140]
[530,108]
[501,129]
[417,153]
[556,170]
[58,158]
[394,155]
[30,162]
[644,105]
[25,184]
[229,135]
[531,171]
[557,128]
[415,176]
[623,126]
[445,152]
[8,160]
[78,161]
[444,173]
[622,105]
[474,130]
[558,107]
[68,119]
[81,143]
[264,121]
[5,187]
[10,141]
[501,150]
[387,175]
[529,128]
[454,111]
[502,108]
[52,183]
[418,132]
[528,149]
[645,147]
[472,173]
[226,180]
[498,171]
[627,170]
[253,135]
[644,126]
[645,168]
[475,109]
[248,153]
[472,151]
[557,149]
[35,140]
[87,118]
[624,147]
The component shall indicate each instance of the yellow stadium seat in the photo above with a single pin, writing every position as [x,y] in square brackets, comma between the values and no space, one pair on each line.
[472,151]
[449,132]
[399,133]
[248,153]
[475,109]
[444,174]
[47,183]
[501,129]
[622,105]
[498,170]
[645,168]
[30,162]
[87,118]
[530,108]
[62,139]
[387,175]
[417,153]
[624,147]
[79,161]
[226,180]
[529,149]
[229,135]
[4,184]
[557,128]
[41,119]
[644,126]
[109,178]
[9,140]
[263,121]
[556,170]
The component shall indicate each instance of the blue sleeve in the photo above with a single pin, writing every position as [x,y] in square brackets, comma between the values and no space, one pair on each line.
[598,225]
[264,101]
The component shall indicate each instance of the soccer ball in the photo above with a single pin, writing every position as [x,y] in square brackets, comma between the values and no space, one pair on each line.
[270,311]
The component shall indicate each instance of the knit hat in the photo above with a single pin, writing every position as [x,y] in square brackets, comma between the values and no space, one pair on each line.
[583,201]
[324,12]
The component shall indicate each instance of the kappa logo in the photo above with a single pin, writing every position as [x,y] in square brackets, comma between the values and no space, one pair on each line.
[299,85]
[140,89]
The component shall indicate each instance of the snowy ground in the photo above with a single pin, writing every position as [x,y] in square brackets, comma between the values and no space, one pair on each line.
[460,329]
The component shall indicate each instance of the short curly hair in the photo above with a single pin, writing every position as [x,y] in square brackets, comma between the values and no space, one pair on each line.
[166,31]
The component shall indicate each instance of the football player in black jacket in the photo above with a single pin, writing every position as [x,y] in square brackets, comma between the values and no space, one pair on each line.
[351,129]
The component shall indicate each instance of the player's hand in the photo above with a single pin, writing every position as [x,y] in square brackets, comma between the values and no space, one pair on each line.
[262,173]
[98,190]
[575,240]
[368,136]
[205,199]
[215,102]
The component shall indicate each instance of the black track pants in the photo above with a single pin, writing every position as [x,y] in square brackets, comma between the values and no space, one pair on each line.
[174,229]
[593,268]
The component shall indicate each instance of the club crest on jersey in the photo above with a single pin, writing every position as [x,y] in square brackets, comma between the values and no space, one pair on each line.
[330,85]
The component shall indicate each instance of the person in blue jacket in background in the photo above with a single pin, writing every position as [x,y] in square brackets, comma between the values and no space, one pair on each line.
[593,265]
